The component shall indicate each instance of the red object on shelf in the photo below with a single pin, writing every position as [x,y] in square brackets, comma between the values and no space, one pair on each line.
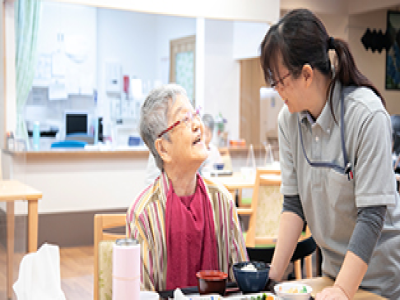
[126,84]
[240,142]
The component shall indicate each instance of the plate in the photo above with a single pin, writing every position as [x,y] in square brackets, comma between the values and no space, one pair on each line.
[238,296]
[254,296]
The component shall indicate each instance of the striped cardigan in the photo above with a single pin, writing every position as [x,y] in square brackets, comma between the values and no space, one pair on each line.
[146,223]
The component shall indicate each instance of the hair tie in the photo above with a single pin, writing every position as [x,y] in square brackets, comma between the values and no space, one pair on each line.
[331,43]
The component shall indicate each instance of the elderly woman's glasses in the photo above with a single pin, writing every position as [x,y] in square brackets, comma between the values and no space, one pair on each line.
[188,119]
[274,84]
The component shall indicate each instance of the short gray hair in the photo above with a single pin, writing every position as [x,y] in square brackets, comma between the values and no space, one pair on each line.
[208,121]
[154,116]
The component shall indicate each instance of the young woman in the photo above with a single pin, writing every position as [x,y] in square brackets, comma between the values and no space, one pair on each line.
[335,156]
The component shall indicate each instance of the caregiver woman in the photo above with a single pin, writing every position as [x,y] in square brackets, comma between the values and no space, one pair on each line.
[335,156]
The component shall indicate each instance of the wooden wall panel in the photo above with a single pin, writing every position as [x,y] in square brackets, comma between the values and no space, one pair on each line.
[251,80]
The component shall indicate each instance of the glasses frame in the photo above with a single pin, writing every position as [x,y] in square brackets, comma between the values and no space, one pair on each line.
[274,84]
[189,116]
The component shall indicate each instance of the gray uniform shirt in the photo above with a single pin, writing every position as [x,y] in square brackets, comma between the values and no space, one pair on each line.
[329,199]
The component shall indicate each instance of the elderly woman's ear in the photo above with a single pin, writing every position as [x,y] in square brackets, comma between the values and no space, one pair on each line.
[163,149]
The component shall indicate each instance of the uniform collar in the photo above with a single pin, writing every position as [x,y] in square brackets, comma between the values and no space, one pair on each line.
[325,120]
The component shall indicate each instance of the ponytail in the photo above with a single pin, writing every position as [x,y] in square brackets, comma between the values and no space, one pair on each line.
[346,70]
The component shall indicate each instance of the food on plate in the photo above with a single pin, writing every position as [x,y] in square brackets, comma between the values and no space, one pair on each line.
[249,267]
[294,290]
[263,297]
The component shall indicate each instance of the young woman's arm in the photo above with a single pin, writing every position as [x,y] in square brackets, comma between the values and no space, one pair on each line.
[348,280]
[290,228]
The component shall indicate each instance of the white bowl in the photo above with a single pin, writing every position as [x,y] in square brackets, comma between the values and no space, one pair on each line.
[282,289]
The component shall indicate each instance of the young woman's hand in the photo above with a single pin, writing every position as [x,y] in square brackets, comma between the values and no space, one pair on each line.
[332,293]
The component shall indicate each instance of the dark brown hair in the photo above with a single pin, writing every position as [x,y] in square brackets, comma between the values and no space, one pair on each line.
[300,38]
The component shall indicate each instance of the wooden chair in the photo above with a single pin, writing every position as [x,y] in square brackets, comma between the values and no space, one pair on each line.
[264,215]
[103,242]
[246,202]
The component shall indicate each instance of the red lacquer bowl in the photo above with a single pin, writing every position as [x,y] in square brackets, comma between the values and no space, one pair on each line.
[211,281]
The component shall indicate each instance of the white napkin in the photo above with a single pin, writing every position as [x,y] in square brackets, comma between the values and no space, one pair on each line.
[39,275]
[178,295]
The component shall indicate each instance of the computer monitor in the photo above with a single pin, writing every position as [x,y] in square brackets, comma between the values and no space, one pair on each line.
[76,123]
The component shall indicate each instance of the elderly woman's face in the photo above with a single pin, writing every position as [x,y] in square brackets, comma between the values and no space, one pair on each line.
[187,139]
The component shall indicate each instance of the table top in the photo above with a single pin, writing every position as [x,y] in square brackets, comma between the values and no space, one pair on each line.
[238,181]
[11,190]
[235,181]
[319,283]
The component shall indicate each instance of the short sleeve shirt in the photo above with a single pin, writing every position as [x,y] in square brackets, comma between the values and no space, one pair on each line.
[329,199]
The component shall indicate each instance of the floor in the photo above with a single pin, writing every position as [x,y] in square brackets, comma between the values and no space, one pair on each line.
[76,267]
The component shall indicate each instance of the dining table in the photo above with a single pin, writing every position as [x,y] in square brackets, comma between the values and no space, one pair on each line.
[319,283]
[316,283]
[238,181]
[235,183]
[11,191]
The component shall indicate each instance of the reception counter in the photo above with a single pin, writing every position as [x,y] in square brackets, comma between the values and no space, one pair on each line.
[76,184]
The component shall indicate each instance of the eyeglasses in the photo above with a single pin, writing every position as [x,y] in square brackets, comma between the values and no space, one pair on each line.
[188,120]
[280,80]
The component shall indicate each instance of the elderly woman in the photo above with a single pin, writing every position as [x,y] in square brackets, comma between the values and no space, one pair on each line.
[183,222]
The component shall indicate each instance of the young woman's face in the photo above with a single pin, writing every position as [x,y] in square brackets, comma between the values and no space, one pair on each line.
[290,89]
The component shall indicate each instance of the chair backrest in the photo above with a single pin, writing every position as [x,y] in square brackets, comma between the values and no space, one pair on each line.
[103,242]
[266,209]
[266,206]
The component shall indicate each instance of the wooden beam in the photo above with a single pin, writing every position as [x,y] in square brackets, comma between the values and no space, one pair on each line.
[242,10]
[364,6]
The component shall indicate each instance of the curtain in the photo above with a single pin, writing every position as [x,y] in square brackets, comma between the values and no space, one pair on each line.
[27,15]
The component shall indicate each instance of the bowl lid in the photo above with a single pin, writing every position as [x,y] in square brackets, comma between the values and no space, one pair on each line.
[211,275]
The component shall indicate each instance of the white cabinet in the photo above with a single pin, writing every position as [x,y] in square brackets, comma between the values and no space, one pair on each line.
[67,55]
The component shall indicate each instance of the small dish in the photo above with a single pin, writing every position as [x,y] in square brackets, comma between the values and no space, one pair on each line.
[219,166]
[293,291]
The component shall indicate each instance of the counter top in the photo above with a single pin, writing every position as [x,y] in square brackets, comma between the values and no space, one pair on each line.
[233,149]
[117,152]
[140,152]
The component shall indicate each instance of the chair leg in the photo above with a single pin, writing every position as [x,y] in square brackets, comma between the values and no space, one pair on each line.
[318,261]
[97,236]
[297,269]
[308,264]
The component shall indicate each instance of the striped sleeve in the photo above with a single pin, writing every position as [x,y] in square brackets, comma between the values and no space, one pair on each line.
[145,220]
[239,252]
